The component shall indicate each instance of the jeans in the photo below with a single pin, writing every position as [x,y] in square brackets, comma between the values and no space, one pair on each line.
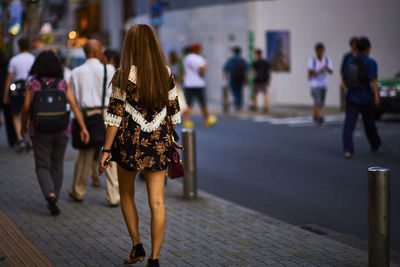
[49,150]
[237,94]
[367,113]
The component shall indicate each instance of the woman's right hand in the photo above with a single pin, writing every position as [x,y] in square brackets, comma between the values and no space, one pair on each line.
[85,136]
[102,167]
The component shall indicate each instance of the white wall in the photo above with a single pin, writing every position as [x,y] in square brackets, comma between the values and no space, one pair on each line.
[330,21]
[333,23]
[211,27]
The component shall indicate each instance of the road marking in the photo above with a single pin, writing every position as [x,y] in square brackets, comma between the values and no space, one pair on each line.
[298,121]
[18,250]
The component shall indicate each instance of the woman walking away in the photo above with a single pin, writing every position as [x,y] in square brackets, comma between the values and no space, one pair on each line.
[45,103]
[141,115]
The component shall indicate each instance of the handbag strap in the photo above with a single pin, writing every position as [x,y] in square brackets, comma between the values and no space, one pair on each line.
[104,87]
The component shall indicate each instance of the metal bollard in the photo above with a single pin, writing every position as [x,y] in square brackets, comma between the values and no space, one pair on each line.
[225,99]
[189,164]
[378,216]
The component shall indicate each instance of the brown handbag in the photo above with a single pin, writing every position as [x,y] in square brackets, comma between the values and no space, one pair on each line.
[175,167]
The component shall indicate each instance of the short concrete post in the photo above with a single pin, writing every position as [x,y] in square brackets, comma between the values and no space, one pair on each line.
[190,164]
[379,216]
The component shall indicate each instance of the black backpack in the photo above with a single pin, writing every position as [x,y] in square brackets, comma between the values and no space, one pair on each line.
[356,76]
[49,109]
[238,72]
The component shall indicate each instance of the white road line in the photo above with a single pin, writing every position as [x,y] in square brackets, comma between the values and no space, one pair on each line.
[297,121]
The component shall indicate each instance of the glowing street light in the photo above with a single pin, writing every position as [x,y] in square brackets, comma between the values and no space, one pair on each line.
[72,35]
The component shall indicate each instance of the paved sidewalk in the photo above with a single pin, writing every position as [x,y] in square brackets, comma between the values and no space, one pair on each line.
[205,232]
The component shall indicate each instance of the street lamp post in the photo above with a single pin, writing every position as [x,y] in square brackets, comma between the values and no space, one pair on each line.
[32,18]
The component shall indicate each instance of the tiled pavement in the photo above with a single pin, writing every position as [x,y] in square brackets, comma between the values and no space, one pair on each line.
[205,232]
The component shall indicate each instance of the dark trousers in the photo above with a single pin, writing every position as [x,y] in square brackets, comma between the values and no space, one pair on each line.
[367,114]
[11,135]
[237,91]
[49,150]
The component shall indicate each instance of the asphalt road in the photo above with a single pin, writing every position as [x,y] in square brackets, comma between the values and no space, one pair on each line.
[296,172]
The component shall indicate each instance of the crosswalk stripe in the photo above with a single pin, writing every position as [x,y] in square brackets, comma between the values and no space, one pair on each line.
[295,121]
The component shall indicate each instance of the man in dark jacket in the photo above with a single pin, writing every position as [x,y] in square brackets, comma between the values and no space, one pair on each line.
[236,70]
[360,78]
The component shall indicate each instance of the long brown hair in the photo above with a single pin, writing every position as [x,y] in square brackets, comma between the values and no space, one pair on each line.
[142,49]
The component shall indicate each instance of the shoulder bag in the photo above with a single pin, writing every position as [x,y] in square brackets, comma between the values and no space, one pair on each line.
[175,167]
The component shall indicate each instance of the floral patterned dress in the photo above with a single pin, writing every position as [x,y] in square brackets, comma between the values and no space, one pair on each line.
[144,137]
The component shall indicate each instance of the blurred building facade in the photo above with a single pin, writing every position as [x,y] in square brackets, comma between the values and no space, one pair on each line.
[221,24]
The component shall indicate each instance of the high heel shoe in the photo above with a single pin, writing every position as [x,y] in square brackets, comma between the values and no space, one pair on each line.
[137,254]
[152,263]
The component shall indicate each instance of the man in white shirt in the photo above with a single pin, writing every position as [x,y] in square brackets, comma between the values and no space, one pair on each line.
[194,84]
[87,84]
[18,71]
[318,68]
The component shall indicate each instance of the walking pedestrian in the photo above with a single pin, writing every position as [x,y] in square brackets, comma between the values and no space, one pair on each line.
[87,81]
[174,64]
[49,145]
[18,70]
[262,77]
[360,78]
[194,85]
[37,45]
[142,113]
[235,71]
[318,68]
[10,131]
[111,57]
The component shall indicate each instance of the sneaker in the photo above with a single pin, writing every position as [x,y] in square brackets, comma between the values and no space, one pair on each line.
[20,145]
[348,155]
[210,121]
[188,124]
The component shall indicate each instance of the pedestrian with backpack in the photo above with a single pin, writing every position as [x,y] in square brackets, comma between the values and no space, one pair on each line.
[360,78]
[319,66]
[45,106]
[235,72]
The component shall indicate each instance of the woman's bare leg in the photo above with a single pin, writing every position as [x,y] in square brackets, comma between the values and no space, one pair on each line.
[126,180]
[155,181]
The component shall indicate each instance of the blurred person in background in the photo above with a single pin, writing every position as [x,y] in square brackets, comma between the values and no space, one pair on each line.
[352,53]
[235,72]
[360,79]
[194,85]
[18,70]
[181,68]
[49,147]
[87,84]
[319,66]
[37,45]
[8,119]
[141,116]
[174,64]
[112,58]
[262,77]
